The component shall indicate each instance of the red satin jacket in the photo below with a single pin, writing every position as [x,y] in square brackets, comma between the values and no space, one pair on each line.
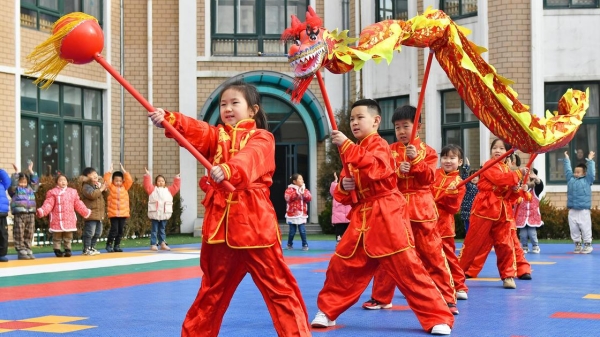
[244,218]
[447,201]
[496,194]
[415,185]
[380,216]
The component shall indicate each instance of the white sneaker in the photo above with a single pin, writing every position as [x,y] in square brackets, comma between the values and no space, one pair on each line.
[509,283]
[441,329]
[525,250]
[462,295]
[587,248]
[535,249]
[577,248]
[93,251]
[321,321]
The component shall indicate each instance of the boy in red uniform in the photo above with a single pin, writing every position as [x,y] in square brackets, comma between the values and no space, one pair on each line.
[416,164]
[379,233]
[447,199]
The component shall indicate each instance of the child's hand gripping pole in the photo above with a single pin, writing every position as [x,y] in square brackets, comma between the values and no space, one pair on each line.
[413,134]
[486,166]
[333,126]
[184,142]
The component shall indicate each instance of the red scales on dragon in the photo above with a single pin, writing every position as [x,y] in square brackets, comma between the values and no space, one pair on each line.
[486,93]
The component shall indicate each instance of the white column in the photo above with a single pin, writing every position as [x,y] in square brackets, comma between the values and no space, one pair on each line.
[537,73]
[188,105]
[482,20]
[17,14]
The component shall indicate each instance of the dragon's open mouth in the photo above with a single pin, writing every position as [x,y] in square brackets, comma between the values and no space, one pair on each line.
[307,62]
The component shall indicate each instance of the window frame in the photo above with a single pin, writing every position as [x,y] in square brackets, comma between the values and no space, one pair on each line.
[260,36]
[571,6]
[587,120]
[395,14]
[63,120]
[39,9]
[461,125]
[460,15]
[390,134]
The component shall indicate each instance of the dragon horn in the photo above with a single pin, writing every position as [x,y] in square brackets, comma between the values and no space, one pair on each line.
[312,19]
[294,30]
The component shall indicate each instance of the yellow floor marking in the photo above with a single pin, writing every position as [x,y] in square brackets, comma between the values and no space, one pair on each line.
[486,279]
[53,319]
[59,328]
[541,262]
[592,296]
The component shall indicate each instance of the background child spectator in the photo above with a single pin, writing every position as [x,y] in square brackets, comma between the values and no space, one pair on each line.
[60,204]
[579,202]
[339,212]
[23,207]
[118,205]
[471,192]
[297,196]
[528,217]
[4,205]
[160,207]
[94,200]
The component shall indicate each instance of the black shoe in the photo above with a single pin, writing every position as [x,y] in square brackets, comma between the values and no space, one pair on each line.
[118,249]
[525,276]
[67,253]
[58,253]
[109,248]
[467,276]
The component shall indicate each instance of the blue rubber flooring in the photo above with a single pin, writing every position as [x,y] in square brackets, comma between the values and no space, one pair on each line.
[563,299]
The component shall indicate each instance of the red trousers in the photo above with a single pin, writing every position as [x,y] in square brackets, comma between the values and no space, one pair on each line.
[224,268]
[428,245]
[457,273]
[483,231]
[347,279]
[523,267]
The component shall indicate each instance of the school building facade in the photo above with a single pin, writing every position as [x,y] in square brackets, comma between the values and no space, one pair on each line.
[178,54]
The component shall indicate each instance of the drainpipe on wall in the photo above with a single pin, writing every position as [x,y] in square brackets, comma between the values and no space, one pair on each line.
[122,91]
[150,88]
[346,78]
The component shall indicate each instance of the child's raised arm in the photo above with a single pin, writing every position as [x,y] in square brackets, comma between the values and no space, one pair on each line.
[174,188]
[567,167]
[148,186]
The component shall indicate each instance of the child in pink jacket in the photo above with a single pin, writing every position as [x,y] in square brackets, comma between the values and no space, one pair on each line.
[339,212]
[61,204]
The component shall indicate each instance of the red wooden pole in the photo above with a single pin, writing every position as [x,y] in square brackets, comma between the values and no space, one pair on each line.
[486,166]
[184,142]
[333,124]
[421,97]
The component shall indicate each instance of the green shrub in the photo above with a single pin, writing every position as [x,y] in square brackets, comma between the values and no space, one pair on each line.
[325,218]
[138,224]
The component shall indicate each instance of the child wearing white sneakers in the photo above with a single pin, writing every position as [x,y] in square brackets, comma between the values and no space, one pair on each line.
[579,202]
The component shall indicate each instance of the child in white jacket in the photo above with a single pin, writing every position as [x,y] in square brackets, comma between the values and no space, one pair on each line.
[160,207]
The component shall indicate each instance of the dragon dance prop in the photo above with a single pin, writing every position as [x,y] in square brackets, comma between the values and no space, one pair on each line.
[77,38]
[487,94]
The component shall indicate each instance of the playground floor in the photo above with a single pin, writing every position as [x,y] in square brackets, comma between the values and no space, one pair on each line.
[144,293]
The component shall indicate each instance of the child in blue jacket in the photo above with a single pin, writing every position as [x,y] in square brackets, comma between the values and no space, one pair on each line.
[579,202]
[23,207]
[4,185]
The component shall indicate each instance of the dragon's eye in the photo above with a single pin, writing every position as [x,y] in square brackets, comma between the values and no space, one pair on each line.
[297,42]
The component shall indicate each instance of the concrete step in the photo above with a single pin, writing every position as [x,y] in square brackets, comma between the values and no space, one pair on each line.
[311,228]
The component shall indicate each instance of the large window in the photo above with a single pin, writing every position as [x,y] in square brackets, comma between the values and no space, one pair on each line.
[61,128]
[459,8]
[391,10]
[41,14]
[388,105]
[460,126]
[559,4]
[246,27]
[586,139]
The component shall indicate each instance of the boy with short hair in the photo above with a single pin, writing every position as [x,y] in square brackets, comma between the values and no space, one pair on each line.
[579,201]
[94,200]
[118,184]
[416,164]
[379,234]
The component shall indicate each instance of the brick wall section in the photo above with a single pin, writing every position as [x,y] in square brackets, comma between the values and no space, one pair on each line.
[201,21]
[7,116]
[7,36]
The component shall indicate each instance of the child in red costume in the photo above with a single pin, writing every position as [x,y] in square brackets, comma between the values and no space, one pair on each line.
[416,164]
[491,216]
[242,152]
[379,234]
[447,199]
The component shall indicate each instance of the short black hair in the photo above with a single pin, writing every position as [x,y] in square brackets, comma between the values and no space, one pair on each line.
[405,112]
[117,174]
[88,170]
[583,166]
[23,176]
[371,104]
[452,148]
